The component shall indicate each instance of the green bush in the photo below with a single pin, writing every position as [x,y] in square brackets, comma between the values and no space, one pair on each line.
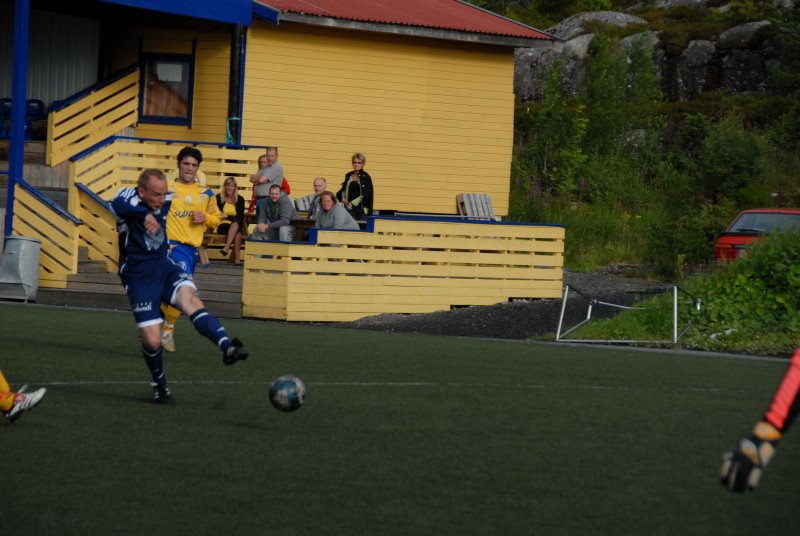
[679,25]
[751,305]
[549,139]
[685,235]
[640,181]
[731,160]
[758,296]
[596,234]
[594,5]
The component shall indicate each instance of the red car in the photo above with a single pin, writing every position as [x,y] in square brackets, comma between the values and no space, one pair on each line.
[751,225]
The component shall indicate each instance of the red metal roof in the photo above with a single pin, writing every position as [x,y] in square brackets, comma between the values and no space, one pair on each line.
[441,14]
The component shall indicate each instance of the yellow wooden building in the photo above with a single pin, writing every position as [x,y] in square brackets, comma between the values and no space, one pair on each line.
[431,106]
[423,88]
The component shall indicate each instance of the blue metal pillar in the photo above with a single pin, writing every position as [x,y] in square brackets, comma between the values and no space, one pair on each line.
[19,88]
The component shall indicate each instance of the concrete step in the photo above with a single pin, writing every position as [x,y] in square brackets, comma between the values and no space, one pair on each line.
[118,301]
[34,151]
[91,267]
[220,288]
[84,298]
[111,287]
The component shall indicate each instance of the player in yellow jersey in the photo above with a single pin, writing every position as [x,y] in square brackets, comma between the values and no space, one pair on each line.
[12,404]
[193,209]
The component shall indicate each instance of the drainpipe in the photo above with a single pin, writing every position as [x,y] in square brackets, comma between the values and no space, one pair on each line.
[19,83]
[234,134]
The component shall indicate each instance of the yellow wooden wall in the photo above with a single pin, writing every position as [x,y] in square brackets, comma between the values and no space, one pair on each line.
[434,118]
[212,69]
[401,266]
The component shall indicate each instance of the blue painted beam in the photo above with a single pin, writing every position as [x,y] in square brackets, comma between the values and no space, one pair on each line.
[265,12]
[230,11]
[19,87]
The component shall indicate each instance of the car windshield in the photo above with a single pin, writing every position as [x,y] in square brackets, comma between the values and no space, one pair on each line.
[765,222]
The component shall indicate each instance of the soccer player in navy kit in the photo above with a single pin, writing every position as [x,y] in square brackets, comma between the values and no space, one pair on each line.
[150,277]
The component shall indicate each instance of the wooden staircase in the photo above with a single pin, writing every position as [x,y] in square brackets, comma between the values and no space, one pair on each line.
[51,181]
[220,288]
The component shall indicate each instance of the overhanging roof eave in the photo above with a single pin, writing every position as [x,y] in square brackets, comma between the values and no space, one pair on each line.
[417,31]
[227,11]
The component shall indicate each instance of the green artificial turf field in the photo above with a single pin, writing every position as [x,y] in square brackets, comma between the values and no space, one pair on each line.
[400,434]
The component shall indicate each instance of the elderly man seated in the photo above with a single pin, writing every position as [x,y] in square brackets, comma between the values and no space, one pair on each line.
[275,215]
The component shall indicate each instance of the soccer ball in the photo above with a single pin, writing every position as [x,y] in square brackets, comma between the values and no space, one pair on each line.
[287,393]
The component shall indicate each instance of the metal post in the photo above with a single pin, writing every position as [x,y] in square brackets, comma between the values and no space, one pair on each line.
[675,313]
[234,83]
[19,87]
[563,307]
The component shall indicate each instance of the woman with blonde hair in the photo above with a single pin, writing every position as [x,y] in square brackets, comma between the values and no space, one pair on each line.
[356,191]
[231,206]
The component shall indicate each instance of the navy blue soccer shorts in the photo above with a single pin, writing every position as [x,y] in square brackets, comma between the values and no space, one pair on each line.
[147,293]
[184,255]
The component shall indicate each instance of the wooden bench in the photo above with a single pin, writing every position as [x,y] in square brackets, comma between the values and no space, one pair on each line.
[218,240]
[303,204]
[302,224]
[212,239]
[478,206]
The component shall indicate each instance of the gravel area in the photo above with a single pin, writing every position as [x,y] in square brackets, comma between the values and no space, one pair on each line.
[525,319]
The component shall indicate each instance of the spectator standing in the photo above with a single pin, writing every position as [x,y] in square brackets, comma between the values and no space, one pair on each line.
[270,172]
[356,191]
[231,206]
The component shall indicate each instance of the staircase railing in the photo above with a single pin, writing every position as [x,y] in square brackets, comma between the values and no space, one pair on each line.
[97,174]
[99,232]
[117,162]
[37,216]
[92,115]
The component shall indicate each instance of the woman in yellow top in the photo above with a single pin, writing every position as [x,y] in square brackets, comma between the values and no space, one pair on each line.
[231,205]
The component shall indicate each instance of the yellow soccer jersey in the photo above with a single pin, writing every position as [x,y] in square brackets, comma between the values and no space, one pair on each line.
[185,199]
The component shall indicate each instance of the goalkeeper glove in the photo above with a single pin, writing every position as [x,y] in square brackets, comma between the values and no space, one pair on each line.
[742,468]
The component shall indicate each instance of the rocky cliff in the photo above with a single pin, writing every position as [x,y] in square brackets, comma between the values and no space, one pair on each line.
[741,58]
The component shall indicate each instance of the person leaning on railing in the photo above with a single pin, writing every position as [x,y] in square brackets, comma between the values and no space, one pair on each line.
[231,206]
[333,215]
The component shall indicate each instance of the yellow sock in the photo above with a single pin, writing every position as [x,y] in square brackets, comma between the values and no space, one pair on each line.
[171,315]
[6,395]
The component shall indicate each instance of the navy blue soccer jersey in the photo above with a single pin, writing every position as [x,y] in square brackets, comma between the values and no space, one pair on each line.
[140,253]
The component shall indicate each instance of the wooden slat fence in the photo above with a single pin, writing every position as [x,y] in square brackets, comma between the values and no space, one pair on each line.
[402,266]
[58,231]
[99,113]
